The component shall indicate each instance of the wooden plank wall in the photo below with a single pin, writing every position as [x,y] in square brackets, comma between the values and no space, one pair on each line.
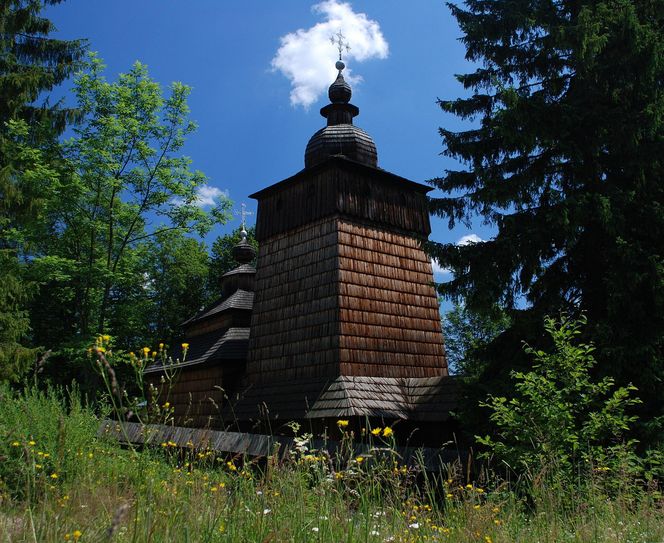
[388,309]
[294,324]
[197,395]
[342,188]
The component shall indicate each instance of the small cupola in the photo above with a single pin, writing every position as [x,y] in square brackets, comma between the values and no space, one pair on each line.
[340,136]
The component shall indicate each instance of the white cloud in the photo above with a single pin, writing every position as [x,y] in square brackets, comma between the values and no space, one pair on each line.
[469,238]
[307,57]
[463,240]
[438,269]
[207,195]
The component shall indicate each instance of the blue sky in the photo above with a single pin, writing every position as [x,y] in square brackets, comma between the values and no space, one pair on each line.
[251,132]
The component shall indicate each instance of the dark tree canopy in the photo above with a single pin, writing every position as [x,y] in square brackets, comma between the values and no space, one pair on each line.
[564,159]
[31,63]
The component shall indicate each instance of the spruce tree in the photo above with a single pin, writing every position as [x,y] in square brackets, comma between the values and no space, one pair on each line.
[564,158]
[31,63]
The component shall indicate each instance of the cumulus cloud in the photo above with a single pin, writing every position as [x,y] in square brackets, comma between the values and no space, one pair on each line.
[463,240]
[307,57]
[469,238]
[438,269]
[207,195]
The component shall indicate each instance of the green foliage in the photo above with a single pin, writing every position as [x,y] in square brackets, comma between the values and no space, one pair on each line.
[104,492]
[560,419]
[466,334]
[128,196]
[564,160]
[31,63]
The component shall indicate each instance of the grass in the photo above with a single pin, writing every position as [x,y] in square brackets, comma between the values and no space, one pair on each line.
[59,482]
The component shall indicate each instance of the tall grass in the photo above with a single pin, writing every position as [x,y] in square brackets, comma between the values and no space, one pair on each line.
[59,482]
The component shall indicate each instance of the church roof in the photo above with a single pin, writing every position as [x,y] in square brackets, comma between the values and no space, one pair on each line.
[209,347]
[415,398]
[340,136]
[240,299]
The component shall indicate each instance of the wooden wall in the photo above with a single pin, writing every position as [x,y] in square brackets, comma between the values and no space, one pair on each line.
[388,309]
[339,297]
[294,324]
[197,394]
[346,188]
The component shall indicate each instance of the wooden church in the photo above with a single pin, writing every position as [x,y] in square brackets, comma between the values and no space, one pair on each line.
[340,318]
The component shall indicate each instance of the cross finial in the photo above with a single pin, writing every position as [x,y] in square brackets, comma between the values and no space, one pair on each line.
[338,40]
[244,213]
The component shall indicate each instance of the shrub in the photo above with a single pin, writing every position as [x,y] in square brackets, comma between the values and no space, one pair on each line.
[560,419]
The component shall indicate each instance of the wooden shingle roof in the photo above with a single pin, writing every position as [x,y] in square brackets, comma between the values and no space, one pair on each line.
[419,399]
[210,347]
[240,299]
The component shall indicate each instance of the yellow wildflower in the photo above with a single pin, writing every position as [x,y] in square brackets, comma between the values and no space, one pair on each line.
[67,537]
[387,431]
[15,444]
[161,346]
[185,346]
[342,423]
[54,475]
[38,466]
[77,535]
[146,350]
[376,431]
[167,405]
[154,353]
[100,349]
[359,459]
[106,337]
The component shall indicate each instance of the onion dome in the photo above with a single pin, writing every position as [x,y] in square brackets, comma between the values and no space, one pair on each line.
[340,136]
[243,252]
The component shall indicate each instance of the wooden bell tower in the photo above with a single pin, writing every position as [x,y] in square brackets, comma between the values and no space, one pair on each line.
[344,290]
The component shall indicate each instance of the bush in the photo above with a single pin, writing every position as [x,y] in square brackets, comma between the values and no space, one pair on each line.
[561,420]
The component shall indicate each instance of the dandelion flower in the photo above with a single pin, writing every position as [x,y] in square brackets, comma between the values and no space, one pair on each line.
[342,423]
[77,534]
[15,444]
[31,443]
[387,432]
[54,475]
[146,350]
[161,346]
[359,459]
[167,405]
[376,431]
[185,346]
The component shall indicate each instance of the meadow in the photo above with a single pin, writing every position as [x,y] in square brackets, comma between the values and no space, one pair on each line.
[60,482]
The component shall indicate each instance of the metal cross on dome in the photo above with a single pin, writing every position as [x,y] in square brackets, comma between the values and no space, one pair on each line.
[244,213]
[338,40]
